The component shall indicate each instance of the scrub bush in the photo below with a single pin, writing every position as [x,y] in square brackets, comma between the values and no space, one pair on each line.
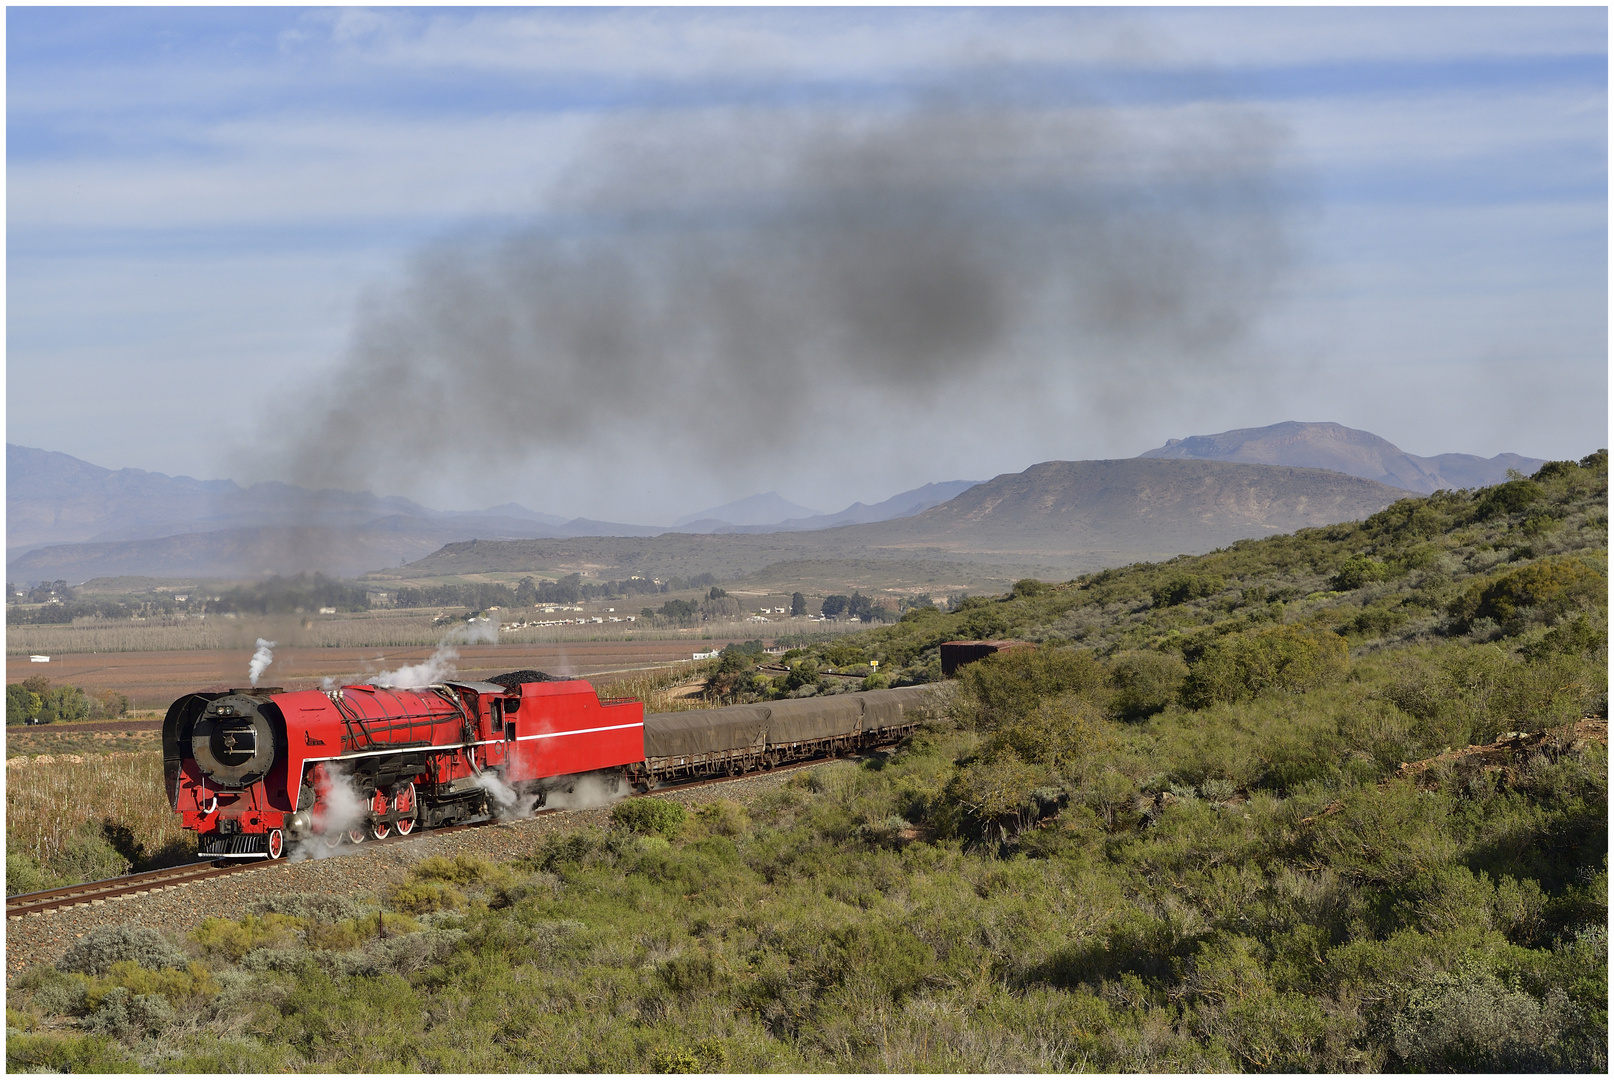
[650,816]
[1239,666]
[98,950]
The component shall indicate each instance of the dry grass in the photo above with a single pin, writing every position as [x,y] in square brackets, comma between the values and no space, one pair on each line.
[49,799]
[50,739]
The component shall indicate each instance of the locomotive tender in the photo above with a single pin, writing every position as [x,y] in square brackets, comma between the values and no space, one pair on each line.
[254,771]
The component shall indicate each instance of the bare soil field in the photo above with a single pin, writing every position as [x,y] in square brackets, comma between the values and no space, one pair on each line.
[152,680]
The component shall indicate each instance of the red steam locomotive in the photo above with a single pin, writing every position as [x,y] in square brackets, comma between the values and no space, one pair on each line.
[254,771]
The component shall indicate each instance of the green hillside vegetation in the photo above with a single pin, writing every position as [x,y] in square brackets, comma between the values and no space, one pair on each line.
[1454,565]
[1177,836]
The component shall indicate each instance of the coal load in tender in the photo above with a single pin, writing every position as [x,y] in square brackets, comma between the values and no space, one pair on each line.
[525,675]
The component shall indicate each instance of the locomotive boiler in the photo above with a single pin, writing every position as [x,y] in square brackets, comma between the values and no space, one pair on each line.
[256,771]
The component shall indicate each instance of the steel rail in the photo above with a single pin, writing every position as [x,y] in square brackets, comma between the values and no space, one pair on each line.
[97,892]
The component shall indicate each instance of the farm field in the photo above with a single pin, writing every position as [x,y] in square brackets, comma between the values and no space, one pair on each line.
[368,630]
[152,680]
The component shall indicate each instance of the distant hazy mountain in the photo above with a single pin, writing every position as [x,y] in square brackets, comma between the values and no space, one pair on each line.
[1079,514]
[905,504]
[1073,515]
[1346,450]
[1133,505]
[227,553]
[751,510]
[54,498]
[69,519]
[95,521]
[510,510]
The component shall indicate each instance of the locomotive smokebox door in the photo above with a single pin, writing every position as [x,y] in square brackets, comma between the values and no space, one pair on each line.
[233,743]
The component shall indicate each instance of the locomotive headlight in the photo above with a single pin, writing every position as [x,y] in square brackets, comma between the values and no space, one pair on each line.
[233,743]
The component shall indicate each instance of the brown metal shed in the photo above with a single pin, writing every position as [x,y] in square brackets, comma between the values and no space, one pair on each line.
[955,654]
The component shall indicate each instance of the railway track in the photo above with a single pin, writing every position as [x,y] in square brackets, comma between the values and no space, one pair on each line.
[96,893]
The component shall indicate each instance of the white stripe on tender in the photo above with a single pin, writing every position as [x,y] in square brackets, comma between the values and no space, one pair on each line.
[579,731]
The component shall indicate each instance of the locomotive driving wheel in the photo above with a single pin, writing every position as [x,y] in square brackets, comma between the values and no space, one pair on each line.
[378,807]
[403,801]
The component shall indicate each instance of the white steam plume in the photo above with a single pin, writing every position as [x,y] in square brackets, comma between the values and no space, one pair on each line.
[261,660]
[508,803]
[588,792]
[440,665]
[341,807]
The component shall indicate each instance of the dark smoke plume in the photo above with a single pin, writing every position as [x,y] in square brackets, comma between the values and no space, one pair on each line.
[690,273]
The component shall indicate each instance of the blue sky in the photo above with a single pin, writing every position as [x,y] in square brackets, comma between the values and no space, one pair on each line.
[245,207]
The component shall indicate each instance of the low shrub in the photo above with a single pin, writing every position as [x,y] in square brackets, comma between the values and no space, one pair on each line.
[724,817]
[420,897]
[1238,666]
[350,933]
[180,987]
[651,816]
[127,1015]
[67,1054]
[1470,1021]
[233,940]
[463,870]
[23,875]
[98,950]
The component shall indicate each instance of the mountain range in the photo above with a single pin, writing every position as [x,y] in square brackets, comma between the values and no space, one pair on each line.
[69,519]
[1061,516]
